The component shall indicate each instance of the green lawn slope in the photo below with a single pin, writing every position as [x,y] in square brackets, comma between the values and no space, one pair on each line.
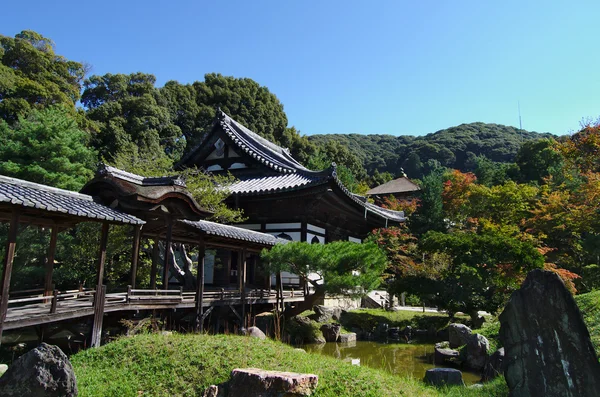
[184,365]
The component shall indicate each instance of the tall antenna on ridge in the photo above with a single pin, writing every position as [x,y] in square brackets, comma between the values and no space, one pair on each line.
[520,123]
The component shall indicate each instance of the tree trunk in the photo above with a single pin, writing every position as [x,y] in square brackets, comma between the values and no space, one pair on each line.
[307,304]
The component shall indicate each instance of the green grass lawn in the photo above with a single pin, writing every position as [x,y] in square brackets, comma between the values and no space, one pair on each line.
[184,365]
[589,304]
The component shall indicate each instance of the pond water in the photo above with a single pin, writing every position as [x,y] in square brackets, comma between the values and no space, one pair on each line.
[396,358]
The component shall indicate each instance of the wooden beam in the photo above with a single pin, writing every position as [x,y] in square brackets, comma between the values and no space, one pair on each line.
[48,288]
[9,257]
[98,316]
[168,256]
[135,253]
[200,288]
[155,259]
[102,256]
[242,273]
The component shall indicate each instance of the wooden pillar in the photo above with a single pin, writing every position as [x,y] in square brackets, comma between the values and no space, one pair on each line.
[279,287]
[200,288]
[135,254]
[168,256]
[242,275]
[48,288]
[11,243]
[100,289]
[155,259]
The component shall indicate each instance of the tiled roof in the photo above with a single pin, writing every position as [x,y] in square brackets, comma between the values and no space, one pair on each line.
[400,185]
[42,197]
[140,180]
[274,184]
[234,232]
[268,153]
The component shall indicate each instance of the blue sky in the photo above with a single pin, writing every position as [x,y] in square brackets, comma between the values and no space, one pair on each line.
[389,67]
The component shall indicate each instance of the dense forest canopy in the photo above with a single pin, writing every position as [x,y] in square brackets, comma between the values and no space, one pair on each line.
[455,147]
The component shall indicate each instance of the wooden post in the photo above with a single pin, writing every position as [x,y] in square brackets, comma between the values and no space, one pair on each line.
[50,261]
[168,256]
[242,275]
[100,290]
[279,287]
[137,232]
[98,316]
[200,288]
[155,259]
[11,243]
[102,256]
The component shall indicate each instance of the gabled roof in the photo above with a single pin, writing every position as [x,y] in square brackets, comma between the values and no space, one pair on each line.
[31,195]
[400,185]
[264,151]
[104,169]
[234,232]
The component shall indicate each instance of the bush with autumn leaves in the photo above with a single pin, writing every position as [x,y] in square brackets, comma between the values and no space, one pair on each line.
[480,239]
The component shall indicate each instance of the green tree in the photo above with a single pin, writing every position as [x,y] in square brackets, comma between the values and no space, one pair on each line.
[538,159]
[132,116]
[430,214]
[33,76]
[485,269]
[341,267]
[47,147]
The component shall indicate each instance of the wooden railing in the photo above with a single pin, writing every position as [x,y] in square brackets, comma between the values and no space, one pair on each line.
[81,299]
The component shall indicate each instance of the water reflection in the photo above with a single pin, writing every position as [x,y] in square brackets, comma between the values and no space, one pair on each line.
[396,358]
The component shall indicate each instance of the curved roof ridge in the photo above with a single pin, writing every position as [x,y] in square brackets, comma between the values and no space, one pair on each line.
[265,151]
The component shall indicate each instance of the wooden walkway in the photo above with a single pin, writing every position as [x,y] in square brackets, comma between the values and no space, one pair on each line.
[38,309]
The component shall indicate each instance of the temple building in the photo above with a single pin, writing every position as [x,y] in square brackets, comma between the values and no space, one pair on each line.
[279,195]
[401,188]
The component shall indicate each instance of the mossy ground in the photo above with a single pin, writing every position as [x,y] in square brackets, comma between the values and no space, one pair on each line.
[589,304]
[184,365]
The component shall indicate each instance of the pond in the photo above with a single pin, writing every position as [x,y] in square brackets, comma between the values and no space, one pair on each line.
[397,358]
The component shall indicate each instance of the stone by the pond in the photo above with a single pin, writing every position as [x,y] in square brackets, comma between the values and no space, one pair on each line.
[494,365]
[347,338]
[300,350]
[548,351]
[393,333]
[444,376]
[255,332]
[44,371]
[325,313]
[3,368]
[331,332]
[458,334]
[477,351]
[254,382]
[442,356]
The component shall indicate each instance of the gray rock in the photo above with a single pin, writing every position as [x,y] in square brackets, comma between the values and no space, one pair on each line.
[444,377]
[44,371]
[324,314]
[494,365]
[331,332]
[443,356]
[255,332]
[300,350]
[3,369]
[458,335]
[547,345]
[477,351]
[213,391]
[393,333]
[348,338]
[254,382]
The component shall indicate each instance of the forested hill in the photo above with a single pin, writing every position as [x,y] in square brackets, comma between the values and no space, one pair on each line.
[455,147]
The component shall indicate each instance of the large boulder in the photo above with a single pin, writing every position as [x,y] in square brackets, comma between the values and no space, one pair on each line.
[477,351]
[324,314]
[348,338]
[44,371]
[548,351]
[303,330]
[458,335]
[494,365]
[331,332]
[254,382]
[443,377]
